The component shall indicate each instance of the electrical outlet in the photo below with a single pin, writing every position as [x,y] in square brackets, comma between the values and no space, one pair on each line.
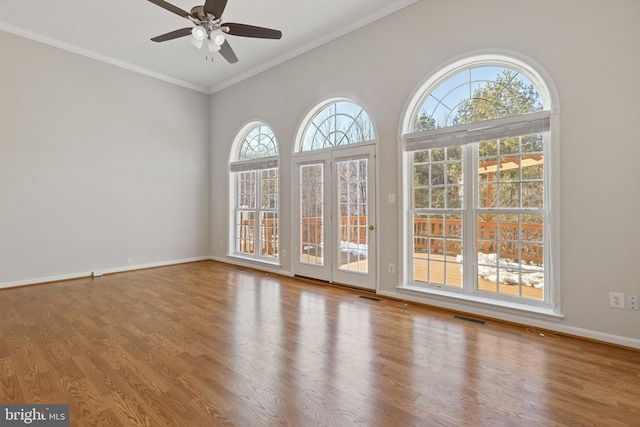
[284,253]
[632,302]
[391,268]
[616,299]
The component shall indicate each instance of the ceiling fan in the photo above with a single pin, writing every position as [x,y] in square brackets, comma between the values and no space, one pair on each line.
[210,29]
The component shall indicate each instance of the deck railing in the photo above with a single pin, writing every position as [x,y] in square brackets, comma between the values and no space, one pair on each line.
[268,238]
[434,235]
[353,229]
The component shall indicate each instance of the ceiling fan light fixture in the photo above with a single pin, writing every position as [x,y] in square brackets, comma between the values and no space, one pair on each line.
[212,46]
[218,38]
[199,33]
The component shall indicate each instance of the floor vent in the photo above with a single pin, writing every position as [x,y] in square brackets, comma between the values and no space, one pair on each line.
[371,298]
[470,319]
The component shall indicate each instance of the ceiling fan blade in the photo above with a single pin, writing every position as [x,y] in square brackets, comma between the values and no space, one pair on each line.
[245,30]
[171,8]
[228,53]
[215,7]
[173,35]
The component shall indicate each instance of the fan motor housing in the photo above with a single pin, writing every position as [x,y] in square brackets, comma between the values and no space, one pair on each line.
[199,13]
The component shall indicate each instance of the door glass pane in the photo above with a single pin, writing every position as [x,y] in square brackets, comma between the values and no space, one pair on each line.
[352,212]
[312,214]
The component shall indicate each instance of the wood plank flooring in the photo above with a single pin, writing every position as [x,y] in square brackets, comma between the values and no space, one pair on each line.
[209,344]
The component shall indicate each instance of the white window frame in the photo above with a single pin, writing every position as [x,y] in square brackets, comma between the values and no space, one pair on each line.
[326,154]
[307,126]
[468,136]
[256,165]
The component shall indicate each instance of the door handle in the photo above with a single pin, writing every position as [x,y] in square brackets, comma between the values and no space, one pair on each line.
[371,227]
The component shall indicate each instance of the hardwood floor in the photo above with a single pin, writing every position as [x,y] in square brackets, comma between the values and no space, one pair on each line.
[209,344]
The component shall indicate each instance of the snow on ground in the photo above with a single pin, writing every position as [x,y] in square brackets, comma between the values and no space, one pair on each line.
[509,272]
[354,249]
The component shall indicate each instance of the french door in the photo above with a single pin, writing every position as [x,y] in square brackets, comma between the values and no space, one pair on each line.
[335,216]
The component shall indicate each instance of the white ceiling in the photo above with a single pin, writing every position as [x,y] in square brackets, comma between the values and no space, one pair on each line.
[119,32]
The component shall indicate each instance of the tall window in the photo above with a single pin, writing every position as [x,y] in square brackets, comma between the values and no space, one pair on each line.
[477,162]
[255,173]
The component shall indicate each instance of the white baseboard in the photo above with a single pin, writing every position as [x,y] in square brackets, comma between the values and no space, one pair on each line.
[82,274]
[551,325]
[47,279]
[248,264]
[599,336]
[153,264]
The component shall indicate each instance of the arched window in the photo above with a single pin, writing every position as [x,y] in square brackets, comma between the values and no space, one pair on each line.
[254,170]
[337,124]
[477,159]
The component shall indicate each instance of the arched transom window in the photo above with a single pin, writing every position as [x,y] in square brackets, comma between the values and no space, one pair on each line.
[337,124]
[476,94]
[258,142]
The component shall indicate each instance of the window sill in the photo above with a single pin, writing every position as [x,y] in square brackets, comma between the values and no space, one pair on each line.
[460,301]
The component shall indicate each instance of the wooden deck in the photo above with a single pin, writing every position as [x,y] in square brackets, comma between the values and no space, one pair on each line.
[209,344]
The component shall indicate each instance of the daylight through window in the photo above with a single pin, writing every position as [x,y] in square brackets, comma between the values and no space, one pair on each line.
[476,164]
[256,194]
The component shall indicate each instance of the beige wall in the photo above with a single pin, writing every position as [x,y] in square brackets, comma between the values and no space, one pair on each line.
[100,168]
